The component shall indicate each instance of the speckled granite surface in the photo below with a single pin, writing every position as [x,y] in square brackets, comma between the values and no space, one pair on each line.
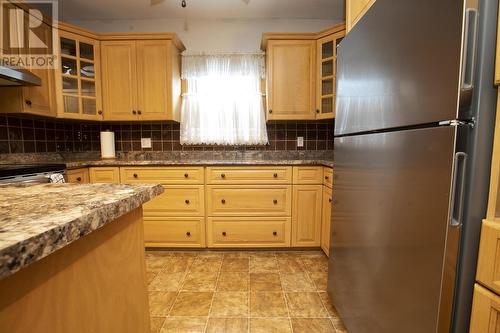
[36,220]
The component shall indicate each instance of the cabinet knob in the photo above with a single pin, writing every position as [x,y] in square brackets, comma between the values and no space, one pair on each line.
[223,201]
[139,112]
[270,111]
[28,102]
[99,112]
[78,179]
[275,175]
[330,200]
[224,233]
[317,110]
[135,175]
[326,177]
[186,175]
[188,234]
[134,112]
[223,175]
[186,201]
[275,233]
[275,201]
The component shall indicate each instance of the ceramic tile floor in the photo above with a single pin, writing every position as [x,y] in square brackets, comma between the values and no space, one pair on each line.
[240,291]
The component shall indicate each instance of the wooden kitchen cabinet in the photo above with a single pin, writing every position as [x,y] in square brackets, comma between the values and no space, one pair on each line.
[306,215]
[485,316]
[497,61]
[488,265]
[326,217]
[174,231]
[304,175]
[355,9]
[291,79]
[78,76]
[104,175]
[141,78]
[80,176]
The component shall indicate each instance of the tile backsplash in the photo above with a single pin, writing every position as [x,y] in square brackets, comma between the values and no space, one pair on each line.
[26,134]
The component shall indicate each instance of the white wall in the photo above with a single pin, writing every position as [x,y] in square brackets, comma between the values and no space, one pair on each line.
[242,35]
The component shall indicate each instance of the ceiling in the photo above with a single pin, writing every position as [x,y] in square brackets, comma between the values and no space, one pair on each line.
[201,9]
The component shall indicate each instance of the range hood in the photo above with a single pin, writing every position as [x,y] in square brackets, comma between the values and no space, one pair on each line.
[10,76]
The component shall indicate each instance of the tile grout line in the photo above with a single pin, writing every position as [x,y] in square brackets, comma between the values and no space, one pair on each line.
[214,293]
[284,294]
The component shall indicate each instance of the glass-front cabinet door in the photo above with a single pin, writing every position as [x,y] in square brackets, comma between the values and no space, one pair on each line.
[78,78]
[327,60]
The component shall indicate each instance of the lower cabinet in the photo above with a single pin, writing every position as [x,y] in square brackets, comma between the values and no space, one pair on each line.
[80,176]
[326,220]
[306,215]
[485,316]
[177,200]
[174,231]
[248,232]
[104,175]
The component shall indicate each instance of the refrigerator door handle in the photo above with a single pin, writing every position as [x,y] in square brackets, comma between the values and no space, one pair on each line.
[469,49]
[456,209]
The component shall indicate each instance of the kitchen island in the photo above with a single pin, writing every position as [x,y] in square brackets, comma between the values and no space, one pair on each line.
[72,258]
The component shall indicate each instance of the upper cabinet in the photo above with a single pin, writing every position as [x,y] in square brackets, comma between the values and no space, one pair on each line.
[301,76]
[355,9]
[78,77]
[141,78]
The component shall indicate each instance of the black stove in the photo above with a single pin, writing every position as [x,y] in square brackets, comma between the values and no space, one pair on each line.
[23,170]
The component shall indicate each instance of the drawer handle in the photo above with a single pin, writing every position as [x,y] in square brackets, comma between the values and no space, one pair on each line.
[134,112]
[275,201]
[275,175]
[186,175]
[224,233]
[329,199]
[188,234]
[187,201]
[326,177]
[223,201]
[275,233]
[135,175]
[78,179]
[223,175]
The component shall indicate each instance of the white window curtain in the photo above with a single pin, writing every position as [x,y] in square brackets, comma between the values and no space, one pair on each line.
[223,104]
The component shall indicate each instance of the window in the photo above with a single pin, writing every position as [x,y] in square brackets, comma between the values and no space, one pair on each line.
[223,104]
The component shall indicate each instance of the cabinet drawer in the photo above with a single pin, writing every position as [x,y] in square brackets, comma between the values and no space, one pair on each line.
[308,175]
[177,201]
[264,200]
[328,177]
[249,175]
[80,176]
[485,315]
[174,232]
[248,232]
[162,175]
[104,175]
[488,265]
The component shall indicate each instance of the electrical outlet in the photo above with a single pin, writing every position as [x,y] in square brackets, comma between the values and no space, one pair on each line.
[145,142]
[300,141]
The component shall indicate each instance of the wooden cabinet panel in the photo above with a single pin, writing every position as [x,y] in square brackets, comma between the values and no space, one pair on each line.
[326,217]
[488,266]
[248,232]
[328,177]
[153,85]
[119,80]
[174,231]
[80,176]
[249,175]
[355,9]
[497,61]
[104,175]
[264,200]
[306,215]
[177,201]
[290,80]
[163,175]
[308,175]
[485,316]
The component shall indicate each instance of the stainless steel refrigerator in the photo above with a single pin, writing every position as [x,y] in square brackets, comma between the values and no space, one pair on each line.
[413,136]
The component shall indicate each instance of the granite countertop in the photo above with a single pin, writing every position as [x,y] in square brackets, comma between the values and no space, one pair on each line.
[169,162]
[37,220]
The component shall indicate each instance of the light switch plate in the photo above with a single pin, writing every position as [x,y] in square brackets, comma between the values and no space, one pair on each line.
[145,142]
[300,141]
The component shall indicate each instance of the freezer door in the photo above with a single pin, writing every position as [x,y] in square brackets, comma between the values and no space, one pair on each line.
[400,66]
[393,253]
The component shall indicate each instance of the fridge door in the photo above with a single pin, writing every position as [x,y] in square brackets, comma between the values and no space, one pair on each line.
[400,66]
[393,252]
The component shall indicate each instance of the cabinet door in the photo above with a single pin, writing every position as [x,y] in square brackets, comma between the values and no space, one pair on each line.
[306,215]
[355,9]
[119,80]
[485,316]
[109,175]
[291,72]
[80,176]
[326,220]
[153,86]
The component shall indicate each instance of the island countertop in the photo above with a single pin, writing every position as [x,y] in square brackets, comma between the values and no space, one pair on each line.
[37,220]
